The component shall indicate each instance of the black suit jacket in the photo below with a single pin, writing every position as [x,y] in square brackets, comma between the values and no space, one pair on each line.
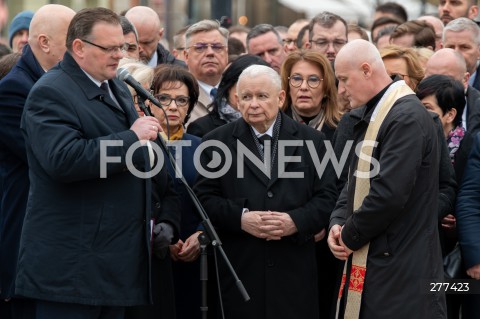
[165,57]
[473,126]
[476,81]
[279,275]
[205,124]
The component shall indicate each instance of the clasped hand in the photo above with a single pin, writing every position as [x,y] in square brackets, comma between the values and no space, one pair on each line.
[187,251]
[268,225]
[336,244]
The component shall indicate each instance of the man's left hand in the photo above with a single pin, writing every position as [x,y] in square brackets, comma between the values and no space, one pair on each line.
[278,221]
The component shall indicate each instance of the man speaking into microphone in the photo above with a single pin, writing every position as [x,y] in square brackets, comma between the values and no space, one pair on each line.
[85,246]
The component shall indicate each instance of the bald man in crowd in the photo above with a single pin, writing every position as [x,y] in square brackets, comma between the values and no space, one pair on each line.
[383,219]
[150,32]
[452,63]
[45,48]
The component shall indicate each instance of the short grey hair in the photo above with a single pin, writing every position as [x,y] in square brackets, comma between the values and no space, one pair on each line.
[205,26]
[463,24]
[257,70]
[141,72]
[260,29]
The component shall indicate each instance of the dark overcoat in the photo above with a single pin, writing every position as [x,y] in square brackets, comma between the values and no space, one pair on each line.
[279,275]
[86,239]
[205,124]
[468,208]
[399,215]
[14,183]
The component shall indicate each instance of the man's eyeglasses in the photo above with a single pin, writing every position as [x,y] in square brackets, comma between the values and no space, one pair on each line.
[202,47]
[312,81]
[323,43]
[289,41]
[166,100]
[109,50]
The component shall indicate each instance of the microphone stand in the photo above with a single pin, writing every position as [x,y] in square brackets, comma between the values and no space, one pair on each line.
[211,235]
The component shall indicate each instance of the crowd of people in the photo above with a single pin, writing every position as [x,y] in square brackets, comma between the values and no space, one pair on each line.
[338,166]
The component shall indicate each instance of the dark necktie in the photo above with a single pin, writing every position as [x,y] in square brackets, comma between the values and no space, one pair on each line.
[262,139]
[104,86]
[213,93]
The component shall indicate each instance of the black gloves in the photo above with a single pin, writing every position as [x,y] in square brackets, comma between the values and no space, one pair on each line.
[162,238]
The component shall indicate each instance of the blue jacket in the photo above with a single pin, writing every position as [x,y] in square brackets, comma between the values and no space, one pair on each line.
[468,208]
[14,183]
[85,239]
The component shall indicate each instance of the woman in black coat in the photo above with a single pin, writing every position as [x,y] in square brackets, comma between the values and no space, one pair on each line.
[311,99]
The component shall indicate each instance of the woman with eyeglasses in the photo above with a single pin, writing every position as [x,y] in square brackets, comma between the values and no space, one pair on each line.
[224,106]
[177,91]
[404,63]
[161,274]
[311,94]
[311,98]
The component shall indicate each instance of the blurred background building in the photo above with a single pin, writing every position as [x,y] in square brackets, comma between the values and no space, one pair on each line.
[177,13]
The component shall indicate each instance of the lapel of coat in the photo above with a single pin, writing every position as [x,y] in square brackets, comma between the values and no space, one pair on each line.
[288,132]
[92,91]
[473,109]
[242,134]
[476,81]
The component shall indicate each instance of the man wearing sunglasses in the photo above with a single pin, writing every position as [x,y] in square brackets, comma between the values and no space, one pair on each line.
[206,55]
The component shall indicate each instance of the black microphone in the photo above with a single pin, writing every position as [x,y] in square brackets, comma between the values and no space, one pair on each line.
[123,75]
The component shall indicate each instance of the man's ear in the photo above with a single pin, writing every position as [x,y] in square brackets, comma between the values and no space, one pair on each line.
[43,43]
[466,77]
[78,47]
[366,69]
[472,12]
[281,98]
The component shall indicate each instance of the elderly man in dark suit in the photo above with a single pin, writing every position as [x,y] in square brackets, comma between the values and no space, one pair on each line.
[265,217]
[45,48]
[86,241]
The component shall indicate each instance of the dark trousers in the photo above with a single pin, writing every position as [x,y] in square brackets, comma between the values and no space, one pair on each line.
[471,306]
[17,308]
[60,310]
